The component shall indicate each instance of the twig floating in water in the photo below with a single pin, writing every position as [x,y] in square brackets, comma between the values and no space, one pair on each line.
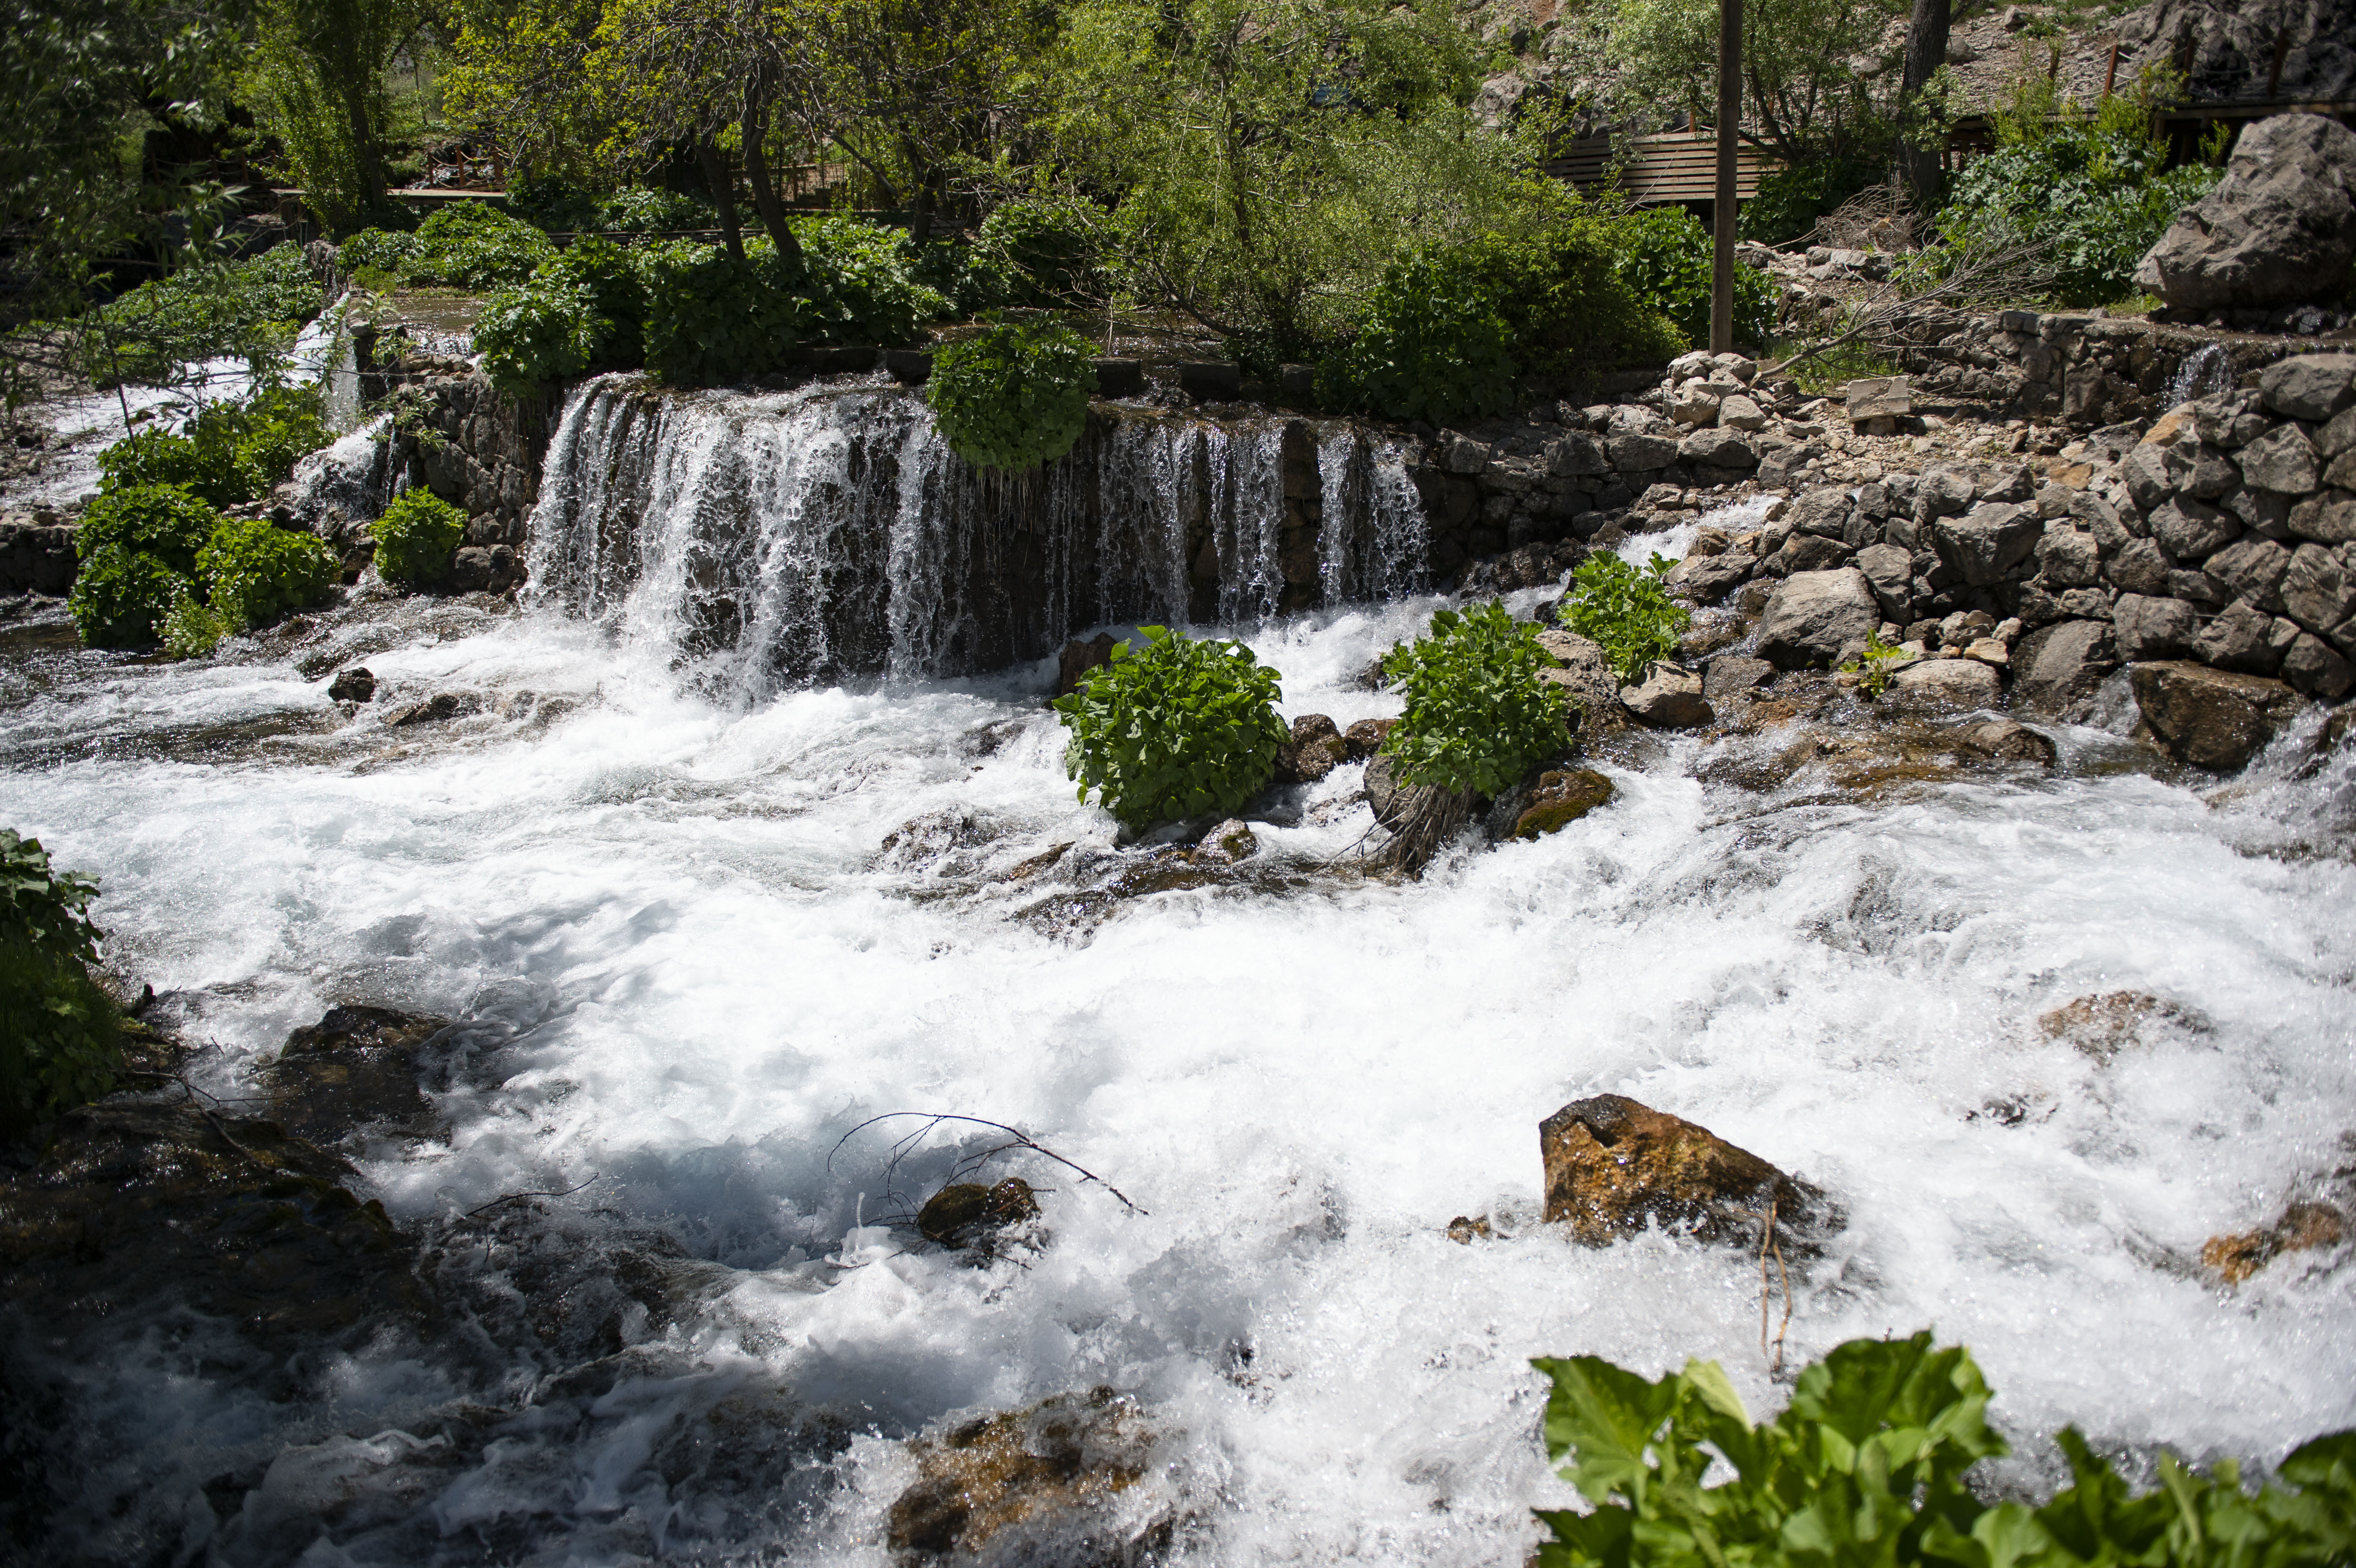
[1019,1139]
[513,1197]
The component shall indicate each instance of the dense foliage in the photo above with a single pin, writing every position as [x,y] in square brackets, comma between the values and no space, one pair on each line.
[465,245]
[1810,89]
[1866,1467]
[2087,194]
[1626,610]
[415,538]
[252,572]
[214,308]
[1478,716]
[59,1043]
[563,206]
[1181,729]
[1665,258]
[1449,330]
[1014,395]
[1040,248]
[162,521]
[158,562]
[1791,199]
[226,452]
[121,596]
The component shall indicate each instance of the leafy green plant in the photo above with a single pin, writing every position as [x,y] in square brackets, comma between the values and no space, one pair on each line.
[246,308]
[1866,1467]
[1478,715]
[1184,728]
[1664,260]
[415,538]
[584,310]
[712,319]
[853,284]
[162,521]
[1041,247]
[1625,609]
[252,572]
[1793,196]
[1880,661]
[1013,395]
[465,245]
[120,597]
[228,452]
[60,1039]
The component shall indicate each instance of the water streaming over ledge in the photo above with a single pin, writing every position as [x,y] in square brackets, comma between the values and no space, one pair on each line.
[775,540]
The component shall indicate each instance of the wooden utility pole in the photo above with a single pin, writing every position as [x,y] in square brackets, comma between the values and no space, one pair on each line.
[1730,118]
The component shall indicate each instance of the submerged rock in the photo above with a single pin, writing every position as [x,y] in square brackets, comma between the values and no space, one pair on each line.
[969,1214]
[2103,1026]
[1315,750]
[1055,1483]
[1559,798]
[1365,737]
[356,1066]
[1230,841]
[1612,1165]
[2005,741]
[2211,718]
[2304,1227]
[354,685]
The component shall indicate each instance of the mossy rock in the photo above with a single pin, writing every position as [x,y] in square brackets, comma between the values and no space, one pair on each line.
[1561,797]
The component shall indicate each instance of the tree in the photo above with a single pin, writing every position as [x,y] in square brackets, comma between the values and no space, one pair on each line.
[319,75]
[1805,100]
[1926,51]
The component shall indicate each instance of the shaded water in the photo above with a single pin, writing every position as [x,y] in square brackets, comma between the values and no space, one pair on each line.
[654,866]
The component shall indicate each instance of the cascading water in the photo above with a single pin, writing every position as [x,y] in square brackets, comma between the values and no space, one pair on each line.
[824,535]
[2205,372]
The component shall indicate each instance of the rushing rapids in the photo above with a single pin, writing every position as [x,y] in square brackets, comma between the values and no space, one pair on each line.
[718,850]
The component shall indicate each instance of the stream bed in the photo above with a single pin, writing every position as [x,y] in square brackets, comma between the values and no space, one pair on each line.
[694,969]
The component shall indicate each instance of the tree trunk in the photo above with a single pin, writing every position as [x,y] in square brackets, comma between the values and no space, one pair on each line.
[1926,51]
[716,174]
[764,190]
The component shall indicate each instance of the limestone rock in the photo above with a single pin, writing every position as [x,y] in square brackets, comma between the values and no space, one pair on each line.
[1813,616]
[2191,530]
[1727,449]
[2056,668]
[2304,1227]
[2280,223]
[1740,412]
[1589,688]
[2246,638]
[1879,397]
[1731,676]
[1559,798]
[1315,750]
[1984,545]
[1612,1165]
[2314,667]
[969,1214]
[1365,737]
[1057,1482]
[2251,568]
[2102,1026]
[1230,841]
[1945,683]
[1695,403]
[2311,386]
[2144,627]
[2211,718]
[1708,579]
[2284,462]
[1668,697]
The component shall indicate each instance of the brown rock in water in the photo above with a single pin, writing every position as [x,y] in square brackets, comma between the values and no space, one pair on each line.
[1611,1165]
[2302,1228]
[2211,718]
[2103,1026]
[967,1214]
[356,1066]
[1365,737]
[1315,750]
[1057,1482]
[1560,798]
[1079,658]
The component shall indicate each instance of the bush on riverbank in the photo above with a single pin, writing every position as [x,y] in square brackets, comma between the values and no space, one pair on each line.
[415,538]
[1184,728]
[1012,396]
[60,1040]
[1868,1463]
[1626,610]
[158,562]
[1478,715]
[227,452]
[240,308]
[465,245]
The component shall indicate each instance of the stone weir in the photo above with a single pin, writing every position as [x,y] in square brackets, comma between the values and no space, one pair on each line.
[828,533]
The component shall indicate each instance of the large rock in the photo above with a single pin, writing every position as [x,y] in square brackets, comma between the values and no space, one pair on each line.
[1984,545]
[2277,229]
[1718,449]
[359,1066]
[2211,718]
[970,1215]
[1814,615]
[2251,568]
[1315,749]
[1945,683]
[2246,638]
[1707,579]
[1668,697]
[2311,386]
[2314,667]
[1583,672]
[1890,572]
[2144,627]
[2284,462]
[2318,591]
[2056,668]
[2189,529]
[1058,1482]
[1559,798]
[1613,1165]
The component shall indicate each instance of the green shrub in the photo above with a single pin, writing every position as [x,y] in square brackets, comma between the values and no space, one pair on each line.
[1013,395]
[252,572]
[201,313]
[1628,610]
[853,284]
[1449,330]
[227,452]
[466,245]
[1665,258]
[162,521]
[1042,249]
[583,310]
[191,628]
[415,538]
[642,210]
[1183,729]
[712,319]
[2089,196]
[59,1038]
[1478,715]
[1867,1466]
[120,597]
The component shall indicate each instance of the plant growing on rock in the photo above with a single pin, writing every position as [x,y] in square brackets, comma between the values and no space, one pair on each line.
[1625,609]
[60,1039]
[1479,717]
[252,572]
[1012,396]
[1183,728]
[1874,667]
[1867,1466]
[415,538]
[138,548]
[227,452]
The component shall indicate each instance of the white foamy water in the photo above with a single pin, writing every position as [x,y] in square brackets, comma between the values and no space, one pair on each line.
[712,972]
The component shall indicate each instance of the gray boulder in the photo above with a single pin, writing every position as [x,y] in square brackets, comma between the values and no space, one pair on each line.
[2314,667]
[1574,455]
[1640,453]
[2139,567]
[2283,462]
[1707,579]
[2276,230]
[2247,639]
[2318,591]
[2056,668]
[2144,627]
[1814,615]
[1668,698]
[1730,675]
[2067,558]
[2251,568]
[1823,511]
[2311,386]
[1984,545]
[1718,449]
[1948,684]
[2189,529]
[1942,493]
[2154,471]
[2211,718]
[1891,570]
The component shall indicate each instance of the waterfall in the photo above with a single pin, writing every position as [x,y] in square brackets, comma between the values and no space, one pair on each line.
[773,541]
[2204,372]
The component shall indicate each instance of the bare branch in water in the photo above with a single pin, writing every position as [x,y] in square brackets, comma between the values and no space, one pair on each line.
[971,1164]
